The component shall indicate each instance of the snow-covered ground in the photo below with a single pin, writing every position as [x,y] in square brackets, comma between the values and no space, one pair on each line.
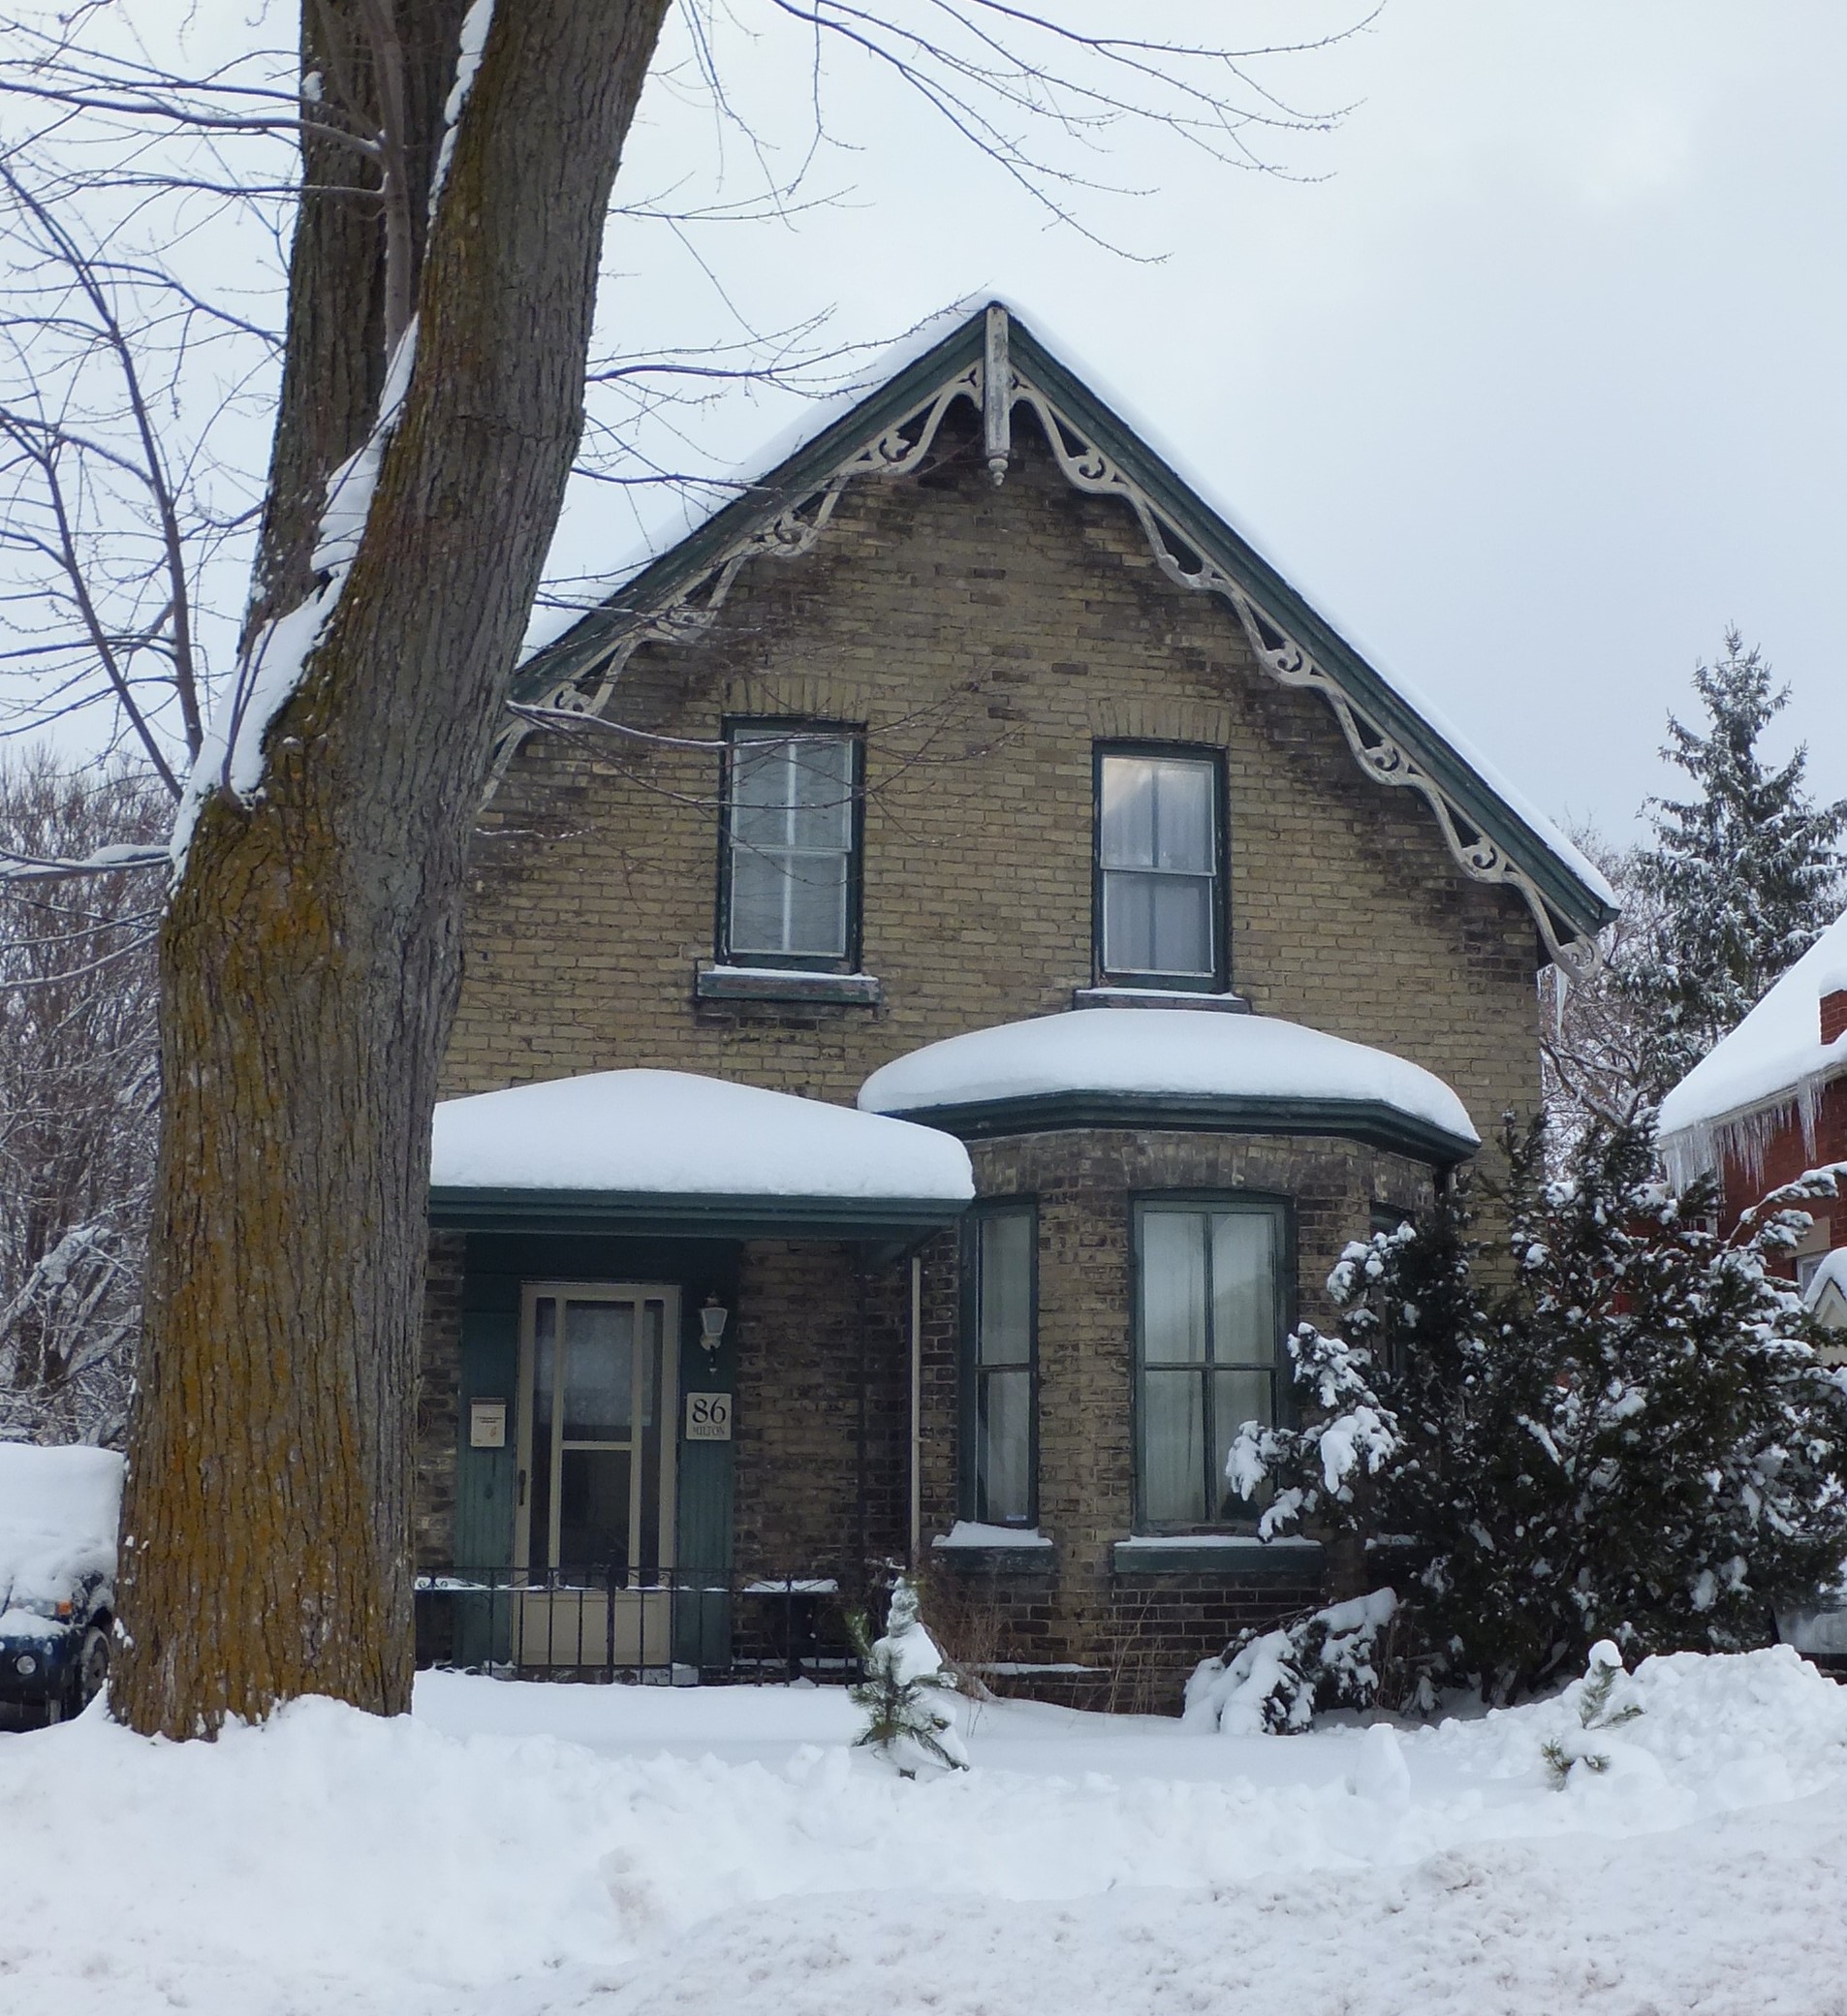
[519,1849]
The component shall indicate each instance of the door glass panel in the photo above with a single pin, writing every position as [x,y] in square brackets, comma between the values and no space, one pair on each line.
[1173,1287]
[1244,1288]
[1173,1448]
[599,1398]
[593,1508]
[646,1553]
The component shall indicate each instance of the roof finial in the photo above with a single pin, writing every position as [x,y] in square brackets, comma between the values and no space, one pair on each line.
[997,396]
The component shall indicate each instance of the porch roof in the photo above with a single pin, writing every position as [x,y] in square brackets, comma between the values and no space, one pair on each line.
[671,1153]
[1173,1068]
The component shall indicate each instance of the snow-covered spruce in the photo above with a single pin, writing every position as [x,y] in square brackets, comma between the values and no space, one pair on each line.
[1605,1699]
[907,1694]
[1630,1439]
[1275,1682]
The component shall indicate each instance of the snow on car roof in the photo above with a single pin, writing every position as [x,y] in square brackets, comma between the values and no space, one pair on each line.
[1773,1060]
[1161,1052]
[678,1133]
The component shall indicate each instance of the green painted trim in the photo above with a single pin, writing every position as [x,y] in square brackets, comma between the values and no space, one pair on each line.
[1367,1121]
[1275,1561]
[1573,901]
[667,1215]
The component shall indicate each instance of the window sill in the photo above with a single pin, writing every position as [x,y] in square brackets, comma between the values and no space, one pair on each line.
[1157,997]
[1235,1557]
[1019,1550]
[786,984]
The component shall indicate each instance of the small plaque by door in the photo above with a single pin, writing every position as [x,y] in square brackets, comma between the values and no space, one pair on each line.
[709,1417]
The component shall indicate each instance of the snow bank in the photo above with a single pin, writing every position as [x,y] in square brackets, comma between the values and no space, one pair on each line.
[674,1133]
[58,1514]
[1155,1050]
[1773,1062]
[725,1848]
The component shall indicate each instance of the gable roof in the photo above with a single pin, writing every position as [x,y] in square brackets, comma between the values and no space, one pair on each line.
[994,362]
[1769,1069]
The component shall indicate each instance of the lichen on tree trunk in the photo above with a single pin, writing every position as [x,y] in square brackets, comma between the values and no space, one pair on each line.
[309,957]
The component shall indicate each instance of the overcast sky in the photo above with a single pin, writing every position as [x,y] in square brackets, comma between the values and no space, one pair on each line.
[1535,389]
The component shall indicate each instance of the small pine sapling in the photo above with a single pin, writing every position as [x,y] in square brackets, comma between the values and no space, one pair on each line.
[907,1693]
[1599,1707]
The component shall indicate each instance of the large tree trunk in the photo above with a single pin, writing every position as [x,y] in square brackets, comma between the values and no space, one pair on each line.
[309,964]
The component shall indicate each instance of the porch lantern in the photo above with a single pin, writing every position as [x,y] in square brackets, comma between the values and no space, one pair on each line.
[713,1319]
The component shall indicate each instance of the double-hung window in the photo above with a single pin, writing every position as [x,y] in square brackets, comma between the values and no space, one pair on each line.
[1208,1333]
[1160,901]
[791,840]
[1002,1371]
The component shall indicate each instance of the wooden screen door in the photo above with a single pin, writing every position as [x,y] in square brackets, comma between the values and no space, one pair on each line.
[598,1412]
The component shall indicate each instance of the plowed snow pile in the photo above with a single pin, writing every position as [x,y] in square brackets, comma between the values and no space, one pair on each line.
[534,1849]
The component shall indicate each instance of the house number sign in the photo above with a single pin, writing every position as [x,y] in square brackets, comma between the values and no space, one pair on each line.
[709,1417]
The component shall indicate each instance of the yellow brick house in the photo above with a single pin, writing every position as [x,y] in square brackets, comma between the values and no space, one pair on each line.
[957,946]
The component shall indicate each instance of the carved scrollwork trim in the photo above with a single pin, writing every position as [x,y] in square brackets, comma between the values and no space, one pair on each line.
[900,450]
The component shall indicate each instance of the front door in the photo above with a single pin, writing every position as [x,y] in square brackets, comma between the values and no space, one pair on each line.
[594,1504]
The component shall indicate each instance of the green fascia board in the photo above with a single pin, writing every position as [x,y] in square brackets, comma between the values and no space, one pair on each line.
[669,1215]
[1367,1121]
[1200,525]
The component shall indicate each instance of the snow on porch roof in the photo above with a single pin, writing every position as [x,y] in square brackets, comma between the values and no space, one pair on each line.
[1178,1067]
[674,1148]
[1774,1060]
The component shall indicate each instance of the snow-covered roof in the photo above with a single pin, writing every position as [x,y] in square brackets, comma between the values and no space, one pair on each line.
[1253,1069]
[1774,1062]
[1573,894]
[665,1134]
[58,1512]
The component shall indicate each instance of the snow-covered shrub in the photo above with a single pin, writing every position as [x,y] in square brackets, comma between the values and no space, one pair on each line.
[1275,1683]
[907,1694]
[1613,1428]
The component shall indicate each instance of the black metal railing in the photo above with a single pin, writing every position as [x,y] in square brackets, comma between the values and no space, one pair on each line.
[608,1624]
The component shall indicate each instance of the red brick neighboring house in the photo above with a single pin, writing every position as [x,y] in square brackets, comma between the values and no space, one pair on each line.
[1770,1102]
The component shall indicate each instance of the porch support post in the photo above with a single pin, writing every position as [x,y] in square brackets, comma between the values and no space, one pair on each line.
[917,1407]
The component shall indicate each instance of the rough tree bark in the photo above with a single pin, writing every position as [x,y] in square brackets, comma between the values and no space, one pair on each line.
[308,962]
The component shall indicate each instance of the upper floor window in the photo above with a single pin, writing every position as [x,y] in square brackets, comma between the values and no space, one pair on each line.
[792,846]
[1002,1368]
[1208,1333]
[1159,868]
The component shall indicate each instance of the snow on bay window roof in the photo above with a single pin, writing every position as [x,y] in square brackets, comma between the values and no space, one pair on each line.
[1178,1067]
[1772,1066]
[673,1134]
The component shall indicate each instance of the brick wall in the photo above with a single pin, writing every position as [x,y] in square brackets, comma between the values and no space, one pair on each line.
[1134,1631]
[987,639]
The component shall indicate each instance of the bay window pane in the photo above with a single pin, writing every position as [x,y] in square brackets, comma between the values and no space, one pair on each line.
[1173,1448]
[1004,1446]
[1236,1398]
[1174,1287]
[1004,1271]
[1244,1312]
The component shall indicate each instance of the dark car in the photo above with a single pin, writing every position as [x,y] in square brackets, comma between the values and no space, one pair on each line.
[58,1510]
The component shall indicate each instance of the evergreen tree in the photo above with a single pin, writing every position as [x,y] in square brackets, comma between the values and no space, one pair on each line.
[904,1696]
[1630,1437]
[1746,874]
